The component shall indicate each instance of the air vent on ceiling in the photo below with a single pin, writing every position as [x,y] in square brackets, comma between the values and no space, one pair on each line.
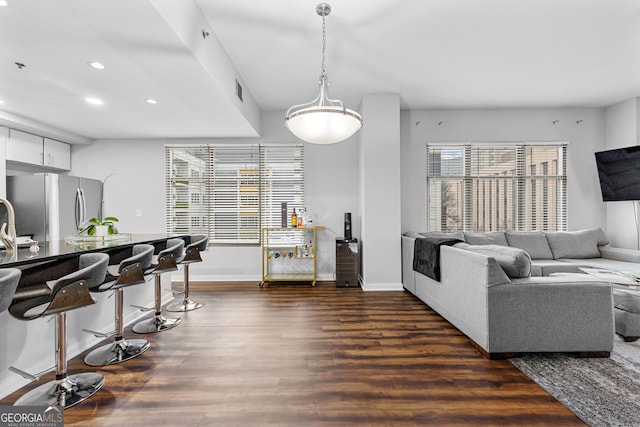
[239,89]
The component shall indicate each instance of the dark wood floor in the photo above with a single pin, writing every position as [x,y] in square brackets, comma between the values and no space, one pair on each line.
[292,355]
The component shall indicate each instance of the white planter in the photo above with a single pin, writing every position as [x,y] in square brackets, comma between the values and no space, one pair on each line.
[101,230]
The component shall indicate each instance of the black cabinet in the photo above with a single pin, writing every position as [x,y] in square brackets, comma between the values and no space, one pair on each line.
[347,263]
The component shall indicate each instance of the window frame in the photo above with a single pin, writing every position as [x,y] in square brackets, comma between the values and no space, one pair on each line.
[235,207]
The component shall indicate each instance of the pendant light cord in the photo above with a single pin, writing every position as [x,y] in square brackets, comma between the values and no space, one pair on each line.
[324,42]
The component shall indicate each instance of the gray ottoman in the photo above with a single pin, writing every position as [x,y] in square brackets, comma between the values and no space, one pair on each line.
[626,304]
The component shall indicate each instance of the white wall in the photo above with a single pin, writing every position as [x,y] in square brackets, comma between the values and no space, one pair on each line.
[623,120]
[137,170]
[583,129]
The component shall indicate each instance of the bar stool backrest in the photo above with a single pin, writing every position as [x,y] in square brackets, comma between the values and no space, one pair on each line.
[198,244]
[92,268]
[175,247]
[199,241]
[142,254]
[167,259]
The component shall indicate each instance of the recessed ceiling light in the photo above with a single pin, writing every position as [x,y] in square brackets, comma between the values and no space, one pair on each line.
[4,3]
[94,101]
[1,101]
[97,65]
[151,101]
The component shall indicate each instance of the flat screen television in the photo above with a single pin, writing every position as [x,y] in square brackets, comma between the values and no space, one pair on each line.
[619,173]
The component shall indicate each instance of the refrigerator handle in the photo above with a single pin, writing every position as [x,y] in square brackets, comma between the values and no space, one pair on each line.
[83,207]
[79,208]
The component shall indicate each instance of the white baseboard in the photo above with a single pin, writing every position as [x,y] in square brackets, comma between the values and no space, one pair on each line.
[216,278]
[381,286]
[235,278]
[253,278]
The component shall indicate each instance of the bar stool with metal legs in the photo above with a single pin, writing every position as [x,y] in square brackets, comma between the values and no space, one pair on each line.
[9,279]
[56,298]
[192,254]
[164,262]
[128,272]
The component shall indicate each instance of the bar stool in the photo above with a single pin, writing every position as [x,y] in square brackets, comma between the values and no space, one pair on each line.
[164,262]
[9,278]
[198,244]
[128,272]
[56,298]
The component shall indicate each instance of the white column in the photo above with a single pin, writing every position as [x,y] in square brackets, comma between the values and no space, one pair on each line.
[380,227]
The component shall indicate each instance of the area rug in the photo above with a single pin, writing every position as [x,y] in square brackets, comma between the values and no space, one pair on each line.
[600,391]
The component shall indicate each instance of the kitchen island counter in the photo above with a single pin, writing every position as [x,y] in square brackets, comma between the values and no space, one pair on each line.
[53,251]
[57,257]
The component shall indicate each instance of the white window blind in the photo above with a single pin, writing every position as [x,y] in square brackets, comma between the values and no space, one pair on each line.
[282,180]
[187,189]
[484,187]
[235,191]
[231,191]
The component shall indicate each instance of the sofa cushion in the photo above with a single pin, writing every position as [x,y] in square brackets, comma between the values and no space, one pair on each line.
[533,242]
[488,238]
[576,244]
[627,300]
[514,261]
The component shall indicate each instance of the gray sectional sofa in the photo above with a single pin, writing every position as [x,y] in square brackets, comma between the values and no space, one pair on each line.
[514,292]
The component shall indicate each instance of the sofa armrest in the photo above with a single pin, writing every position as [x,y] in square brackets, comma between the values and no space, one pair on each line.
[465,266]
[619,254]
[547,315]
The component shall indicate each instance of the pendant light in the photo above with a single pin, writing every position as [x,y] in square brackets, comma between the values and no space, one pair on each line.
[323,120]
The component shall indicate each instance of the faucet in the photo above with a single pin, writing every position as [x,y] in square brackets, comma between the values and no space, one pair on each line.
[8,237]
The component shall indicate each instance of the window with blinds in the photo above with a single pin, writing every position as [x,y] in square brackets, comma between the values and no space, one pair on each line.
[230,192]
[485,187]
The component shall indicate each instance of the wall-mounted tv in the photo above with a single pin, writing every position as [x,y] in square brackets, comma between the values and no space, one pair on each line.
[619,173]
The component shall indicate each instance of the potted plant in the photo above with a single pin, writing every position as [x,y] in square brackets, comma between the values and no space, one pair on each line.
[97,227]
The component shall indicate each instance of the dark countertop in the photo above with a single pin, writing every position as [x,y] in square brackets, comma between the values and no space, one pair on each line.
[59,250]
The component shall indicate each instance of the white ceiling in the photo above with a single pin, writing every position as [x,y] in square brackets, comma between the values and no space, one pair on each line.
[433,53]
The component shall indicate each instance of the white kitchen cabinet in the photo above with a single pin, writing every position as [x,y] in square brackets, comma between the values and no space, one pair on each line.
[24,147]
[42,153]
[57,154]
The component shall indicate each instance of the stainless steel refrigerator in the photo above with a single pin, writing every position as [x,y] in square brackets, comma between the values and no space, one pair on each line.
[49,206]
